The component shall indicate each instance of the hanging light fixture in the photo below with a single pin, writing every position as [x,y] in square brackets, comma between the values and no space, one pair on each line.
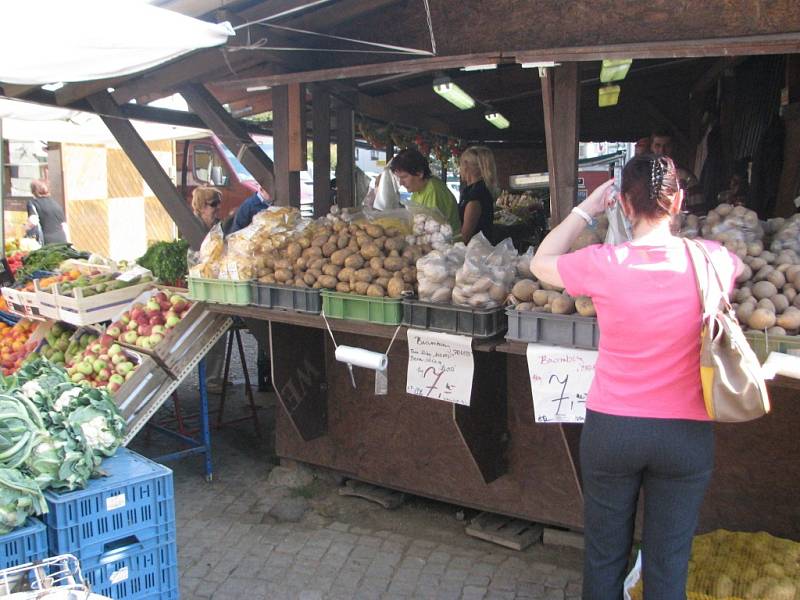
[614,70]
[453,94]
[496,119]
[608,95]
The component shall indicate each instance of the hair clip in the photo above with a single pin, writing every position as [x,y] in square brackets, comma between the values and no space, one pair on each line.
[656,179]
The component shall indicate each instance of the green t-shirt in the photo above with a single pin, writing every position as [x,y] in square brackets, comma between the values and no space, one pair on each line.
[436,195]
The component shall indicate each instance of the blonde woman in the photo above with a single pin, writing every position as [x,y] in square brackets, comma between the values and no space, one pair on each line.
[476,205]
[205,205]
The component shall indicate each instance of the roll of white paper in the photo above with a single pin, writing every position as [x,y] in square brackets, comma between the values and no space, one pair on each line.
[358,357]
[778,363]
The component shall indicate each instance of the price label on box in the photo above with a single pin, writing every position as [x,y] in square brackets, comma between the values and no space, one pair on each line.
[560,381]
[440,366]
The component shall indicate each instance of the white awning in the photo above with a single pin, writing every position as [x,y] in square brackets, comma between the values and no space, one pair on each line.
[52,41]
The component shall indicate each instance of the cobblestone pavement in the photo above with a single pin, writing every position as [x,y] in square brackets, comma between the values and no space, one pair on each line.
[231,547]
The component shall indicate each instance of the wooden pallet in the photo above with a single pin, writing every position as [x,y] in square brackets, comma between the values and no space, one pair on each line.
[387,498]
[505,531]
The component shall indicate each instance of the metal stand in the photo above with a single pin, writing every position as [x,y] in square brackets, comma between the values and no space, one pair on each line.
[234,332]
[201,446]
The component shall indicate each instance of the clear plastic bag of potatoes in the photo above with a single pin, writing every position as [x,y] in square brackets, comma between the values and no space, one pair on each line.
[436,273]
[485,278]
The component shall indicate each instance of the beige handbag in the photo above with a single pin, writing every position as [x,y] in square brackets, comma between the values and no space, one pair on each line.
[733,386]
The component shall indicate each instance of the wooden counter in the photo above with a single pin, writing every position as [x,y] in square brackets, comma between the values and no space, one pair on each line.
[492,455]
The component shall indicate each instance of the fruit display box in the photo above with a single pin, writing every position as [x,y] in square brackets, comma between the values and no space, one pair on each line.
[572,331]
[170,329]
[80,310]
[286,297]
[218,290]
[384,311]
[27,305]
[101,362]
[462,320]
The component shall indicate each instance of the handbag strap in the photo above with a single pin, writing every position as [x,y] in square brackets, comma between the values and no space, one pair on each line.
[699,255]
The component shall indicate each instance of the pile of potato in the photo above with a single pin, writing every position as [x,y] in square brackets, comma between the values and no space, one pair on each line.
[735,227]
[536,296]
[358,257]
[766,296]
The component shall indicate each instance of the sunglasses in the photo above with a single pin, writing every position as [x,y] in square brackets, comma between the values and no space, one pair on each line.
[213,203]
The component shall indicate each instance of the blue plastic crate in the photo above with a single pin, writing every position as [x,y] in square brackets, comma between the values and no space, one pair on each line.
[135,570]
[23,545]
[136,498]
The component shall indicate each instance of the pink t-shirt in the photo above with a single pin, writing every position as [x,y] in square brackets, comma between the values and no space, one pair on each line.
[648,312]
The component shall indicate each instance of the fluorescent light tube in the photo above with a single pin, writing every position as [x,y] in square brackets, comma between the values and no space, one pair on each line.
[614,70]
[258,88]
[453,94]
[498,120]
[489,67]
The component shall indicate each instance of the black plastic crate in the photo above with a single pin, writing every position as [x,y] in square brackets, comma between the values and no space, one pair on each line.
[573,331]
[286,297]
[461,320]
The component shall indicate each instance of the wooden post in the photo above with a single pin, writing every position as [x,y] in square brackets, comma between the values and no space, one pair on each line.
[190,227]
[321,126]
[345,158]
[284,190]
[232,133]
[298,154]
[560,87]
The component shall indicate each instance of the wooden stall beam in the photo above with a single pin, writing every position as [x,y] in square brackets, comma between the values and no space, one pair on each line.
[232,134]
[190,227]
[560,88]
[280,145]
[345,158]
[298,374]
[321,131]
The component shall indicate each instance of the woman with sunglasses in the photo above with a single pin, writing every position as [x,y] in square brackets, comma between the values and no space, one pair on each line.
[205,205]
[646,424]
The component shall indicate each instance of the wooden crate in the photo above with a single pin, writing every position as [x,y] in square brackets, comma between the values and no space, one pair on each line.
[94,309]
[27,305]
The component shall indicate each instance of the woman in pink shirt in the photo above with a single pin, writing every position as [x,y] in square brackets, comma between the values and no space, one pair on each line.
[646,425]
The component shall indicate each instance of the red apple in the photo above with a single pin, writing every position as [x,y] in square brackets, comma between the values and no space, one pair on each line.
[158,329]
[157,319]
[137,312]
[113,386]
[161,297]
[145,330]
[106,340]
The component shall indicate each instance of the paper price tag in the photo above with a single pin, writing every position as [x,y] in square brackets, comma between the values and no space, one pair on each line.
[115,502]
[560,381]
[119,575]
[440,366]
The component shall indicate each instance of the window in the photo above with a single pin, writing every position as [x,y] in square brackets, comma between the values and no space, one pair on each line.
[374,155]
[208,167]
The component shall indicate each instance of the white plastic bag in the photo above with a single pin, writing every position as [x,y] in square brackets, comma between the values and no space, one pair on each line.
[619,228]
[387,194]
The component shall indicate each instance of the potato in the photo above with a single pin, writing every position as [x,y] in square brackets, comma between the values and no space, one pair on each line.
[328,281]
[339,226]
[563,305]
[282,263]
[554,288]
[442,295]
[524,306]
[383,281]
[766,304]
[776,331]
[777,279]
[355,261]
[363,275]
[789,319]
[540,297]
[764,289]
[282,275]
[343,286]
[360,287]
[317,263]
[768,256]
[267,279]
[761,319]
[394,244]
[299,282]
[789,291]
[746,274]
[301,264]
[780,302]
[763,273]
[585,306]
[312,252]
[331,269]
[393,263]
[755,248]
[346,274]
[375,290]
[757,263]
[304,242]
[319,240]
[329,248]
[353,245]
[743,312]
[792,272]
[374,231]
[309,278]
[376,263]
[396,288]
[342,241]
[523,290]
[340,256]
[742,294]
[370,250]
[384,273]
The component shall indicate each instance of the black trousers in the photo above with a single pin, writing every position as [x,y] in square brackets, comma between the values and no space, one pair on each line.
[671,461]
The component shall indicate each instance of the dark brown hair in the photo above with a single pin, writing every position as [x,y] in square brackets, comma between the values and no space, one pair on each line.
[649,183]
[411,161]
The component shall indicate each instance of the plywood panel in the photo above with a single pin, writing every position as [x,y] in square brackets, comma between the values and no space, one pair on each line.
[158,224]
[124,180]
[88,225]
[85,169]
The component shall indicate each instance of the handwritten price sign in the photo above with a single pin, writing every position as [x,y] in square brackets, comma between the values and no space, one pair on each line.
[560,382]
[440,366]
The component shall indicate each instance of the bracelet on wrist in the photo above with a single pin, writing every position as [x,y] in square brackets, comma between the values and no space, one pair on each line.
[583,215]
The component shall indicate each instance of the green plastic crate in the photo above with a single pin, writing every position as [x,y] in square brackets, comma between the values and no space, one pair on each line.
[384,311]
[217,290]
[763,344]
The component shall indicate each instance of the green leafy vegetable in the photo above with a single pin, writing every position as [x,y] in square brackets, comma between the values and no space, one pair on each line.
[46,258]
[166,260]
[20,497]
[21,428]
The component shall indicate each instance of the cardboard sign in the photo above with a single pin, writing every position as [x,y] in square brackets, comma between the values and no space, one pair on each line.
[440,366]
[560,380]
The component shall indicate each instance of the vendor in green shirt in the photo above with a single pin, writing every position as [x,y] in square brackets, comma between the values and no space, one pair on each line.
[413,173]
